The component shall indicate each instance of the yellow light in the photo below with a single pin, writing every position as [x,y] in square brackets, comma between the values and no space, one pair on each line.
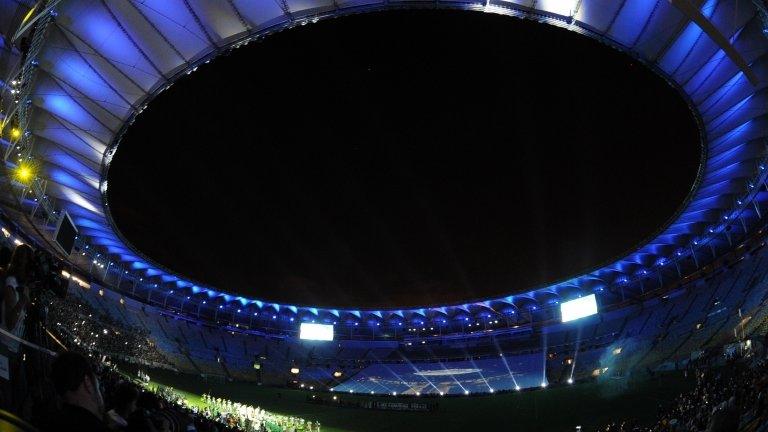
[29,14]
[15,133]
[24,173]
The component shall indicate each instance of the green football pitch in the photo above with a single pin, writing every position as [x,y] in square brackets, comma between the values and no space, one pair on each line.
[589,405]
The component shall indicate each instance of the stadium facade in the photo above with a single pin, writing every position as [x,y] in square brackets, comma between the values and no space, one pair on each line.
[87,68]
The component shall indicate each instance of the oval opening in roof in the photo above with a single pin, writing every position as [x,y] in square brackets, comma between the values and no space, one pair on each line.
[404,158]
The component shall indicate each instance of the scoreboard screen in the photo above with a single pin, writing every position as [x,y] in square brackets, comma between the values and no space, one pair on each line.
[321,332]
[579,308]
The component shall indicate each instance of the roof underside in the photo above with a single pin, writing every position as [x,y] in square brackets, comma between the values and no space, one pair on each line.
[103,60]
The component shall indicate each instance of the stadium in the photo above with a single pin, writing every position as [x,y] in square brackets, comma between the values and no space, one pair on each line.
[121,309]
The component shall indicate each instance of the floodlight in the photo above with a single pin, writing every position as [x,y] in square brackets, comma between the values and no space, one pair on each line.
[24,173]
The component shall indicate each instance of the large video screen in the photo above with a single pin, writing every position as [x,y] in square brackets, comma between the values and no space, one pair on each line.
[579,308]
[458,377]
[66,233]
[320,332]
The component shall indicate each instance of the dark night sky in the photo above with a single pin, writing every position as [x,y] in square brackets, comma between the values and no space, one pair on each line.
[405,158]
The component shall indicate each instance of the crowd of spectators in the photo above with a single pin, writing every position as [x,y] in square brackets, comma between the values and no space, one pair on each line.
[726,398]
[92,396]
[137,406]
[69,384]
[82,326]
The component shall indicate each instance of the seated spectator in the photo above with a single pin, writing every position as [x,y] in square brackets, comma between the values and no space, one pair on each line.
[144,418]
[124,404]
[78,387]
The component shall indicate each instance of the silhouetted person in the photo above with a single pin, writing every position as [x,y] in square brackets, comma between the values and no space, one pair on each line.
[124,404]
[13,311]
[82,405]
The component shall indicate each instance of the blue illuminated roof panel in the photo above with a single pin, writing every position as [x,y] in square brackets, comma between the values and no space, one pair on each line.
[102,62]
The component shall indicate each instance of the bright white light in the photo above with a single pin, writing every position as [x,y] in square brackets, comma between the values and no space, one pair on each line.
[517,387]
[560,7]
[543,385]
[466,392]
[570,380]
[321,332]
[579,308]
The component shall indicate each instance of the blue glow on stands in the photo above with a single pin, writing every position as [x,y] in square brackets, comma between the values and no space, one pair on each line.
[452,378]
[579,308]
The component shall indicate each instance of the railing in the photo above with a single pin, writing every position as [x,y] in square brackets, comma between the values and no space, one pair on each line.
[22,111]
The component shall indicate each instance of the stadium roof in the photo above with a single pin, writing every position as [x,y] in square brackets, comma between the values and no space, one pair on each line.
[96,64]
